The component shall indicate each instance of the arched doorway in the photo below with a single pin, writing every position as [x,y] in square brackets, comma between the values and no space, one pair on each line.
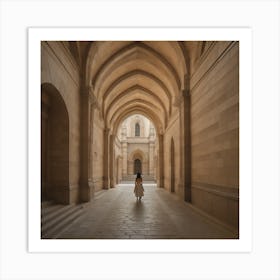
[54,146]
[172,166]
[137,166]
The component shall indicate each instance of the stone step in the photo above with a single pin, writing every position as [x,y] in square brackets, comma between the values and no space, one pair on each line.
[46,210]
[132,181]
[129,178]
[52,226]
[60,228]
[62,213]
[53,211]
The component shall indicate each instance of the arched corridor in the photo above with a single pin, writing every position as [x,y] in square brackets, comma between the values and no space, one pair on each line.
[166,109]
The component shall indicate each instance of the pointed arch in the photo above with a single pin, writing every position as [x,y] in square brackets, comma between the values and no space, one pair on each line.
[118,119]
[132,91]
[135,73]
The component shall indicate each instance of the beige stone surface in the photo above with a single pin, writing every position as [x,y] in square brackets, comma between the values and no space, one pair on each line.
[215,130]
[173,131]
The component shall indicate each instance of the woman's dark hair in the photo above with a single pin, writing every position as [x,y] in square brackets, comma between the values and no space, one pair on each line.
[138,175]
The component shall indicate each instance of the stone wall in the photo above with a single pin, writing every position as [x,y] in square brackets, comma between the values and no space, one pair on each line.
[215,132]
[173,131]
[60,70]
[117,160]
[97,148]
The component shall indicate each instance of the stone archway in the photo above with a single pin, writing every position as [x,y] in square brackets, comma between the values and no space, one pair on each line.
[55,146]
[137,160]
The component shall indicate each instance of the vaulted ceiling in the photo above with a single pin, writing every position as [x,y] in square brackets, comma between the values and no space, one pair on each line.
[127,77]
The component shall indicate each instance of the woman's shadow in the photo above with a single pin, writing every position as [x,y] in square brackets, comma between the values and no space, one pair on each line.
[138,209]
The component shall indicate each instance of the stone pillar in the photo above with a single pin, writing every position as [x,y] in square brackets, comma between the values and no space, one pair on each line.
[106,180]
[124,159]
[186,144]
[91,145]
[151,158]
[161,160]
[183,103]
[187,152]
[182,148]
[155,167]
[84,143]
[93,106]
[111,160]
[120,169]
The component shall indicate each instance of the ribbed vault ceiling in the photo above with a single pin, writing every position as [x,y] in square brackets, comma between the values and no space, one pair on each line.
[136,77]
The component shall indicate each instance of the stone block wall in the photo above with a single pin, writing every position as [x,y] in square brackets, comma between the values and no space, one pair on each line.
[97,156]
[117,161]
[173,131]
[60,70]
[214,89]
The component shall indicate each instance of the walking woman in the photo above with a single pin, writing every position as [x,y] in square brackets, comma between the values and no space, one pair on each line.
[138,189]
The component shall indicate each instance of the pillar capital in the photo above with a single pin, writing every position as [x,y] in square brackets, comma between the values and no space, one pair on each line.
[89,91]
[178,100]
[186,89]
[93,100]
[107,131]
[160,131]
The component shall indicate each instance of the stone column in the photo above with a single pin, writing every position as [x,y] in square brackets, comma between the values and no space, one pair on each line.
[93,106]
[90,167]
[161,160]
[106,180]
[84,143]
[120,169]
[111,160]
[155,167]
[151,158]
[124,159]
[183,103]
[182,147]
[186,144]
[187,152]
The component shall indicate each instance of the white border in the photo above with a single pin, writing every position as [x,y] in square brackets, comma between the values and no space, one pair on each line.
[243,35]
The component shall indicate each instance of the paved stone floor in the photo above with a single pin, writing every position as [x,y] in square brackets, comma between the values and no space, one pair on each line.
[116,214]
